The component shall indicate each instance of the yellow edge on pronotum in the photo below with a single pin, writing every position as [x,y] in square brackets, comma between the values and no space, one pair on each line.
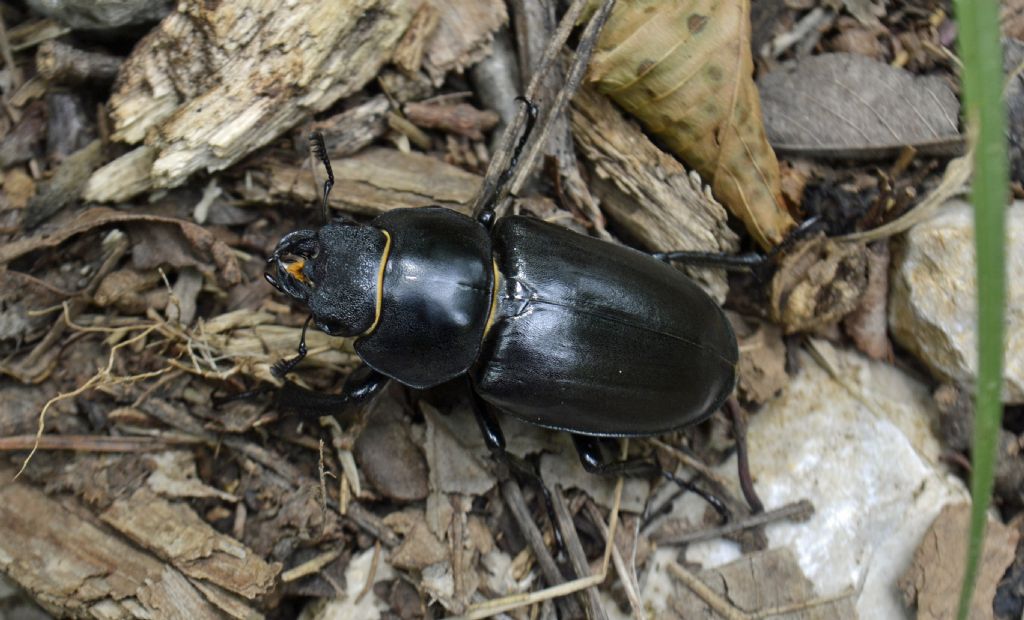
[380,282]
[494,298]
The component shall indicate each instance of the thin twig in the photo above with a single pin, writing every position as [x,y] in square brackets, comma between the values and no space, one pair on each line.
[90,443]
[517,505]
[627,575]
[739,428]
[514,601]
[587,42]
[456,538]
[322,477]
[372,574]
[804,605]
[688,461]
[714,600]
[798,511]
[574,549]
[503,153]
[312,566]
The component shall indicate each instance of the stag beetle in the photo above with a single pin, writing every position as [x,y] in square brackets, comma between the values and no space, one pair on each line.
[556,328]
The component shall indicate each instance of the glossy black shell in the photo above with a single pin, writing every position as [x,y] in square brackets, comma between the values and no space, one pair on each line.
[585,335]
[599,339]
[437,293]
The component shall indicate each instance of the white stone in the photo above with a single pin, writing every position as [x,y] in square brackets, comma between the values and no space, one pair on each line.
[932,307]
[860,448]
[356,574]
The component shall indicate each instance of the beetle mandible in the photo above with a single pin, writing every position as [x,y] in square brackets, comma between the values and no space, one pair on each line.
[556,328]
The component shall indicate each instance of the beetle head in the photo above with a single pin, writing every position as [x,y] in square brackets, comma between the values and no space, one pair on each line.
[334,271]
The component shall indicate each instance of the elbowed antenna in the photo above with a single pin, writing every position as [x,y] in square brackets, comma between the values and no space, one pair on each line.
[320,150]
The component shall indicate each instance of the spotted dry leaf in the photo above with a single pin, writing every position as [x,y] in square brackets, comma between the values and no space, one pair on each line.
[684,68]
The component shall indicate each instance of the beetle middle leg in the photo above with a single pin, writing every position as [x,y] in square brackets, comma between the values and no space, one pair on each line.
[494,439]
[589,449]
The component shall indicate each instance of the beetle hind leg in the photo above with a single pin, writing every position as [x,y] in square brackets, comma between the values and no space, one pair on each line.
[589,449]
[753,261]
[729,262]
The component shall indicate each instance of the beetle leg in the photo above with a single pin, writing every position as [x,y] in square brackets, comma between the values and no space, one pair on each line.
[739,262]
[486,215]
[589,450]
[494,438]
[731,262]
[283,367]
[362,384]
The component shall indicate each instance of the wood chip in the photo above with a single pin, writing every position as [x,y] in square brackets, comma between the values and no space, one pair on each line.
[463,35]
[77,568]
[646,191]
[375,181]
[177,534]
[215,81]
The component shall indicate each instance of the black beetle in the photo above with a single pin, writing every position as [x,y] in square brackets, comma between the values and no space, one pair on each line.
[558,329]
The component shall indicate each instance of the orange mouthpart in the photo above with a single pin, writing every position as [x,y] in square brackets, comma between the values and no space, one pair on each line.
[295,269]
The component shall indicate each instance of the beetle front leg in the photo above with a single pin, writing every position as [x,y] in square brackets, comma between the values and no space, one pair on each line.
[589,449]
[360,386]
[283,367]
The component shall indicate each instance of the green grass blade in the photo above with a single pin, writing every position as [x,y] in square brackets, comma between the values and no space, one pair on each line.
[980,50]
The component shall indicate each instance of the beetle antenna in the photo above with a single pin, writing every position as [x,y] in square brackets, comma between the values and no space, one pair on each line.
[486,216]
[283,367]
[320,151]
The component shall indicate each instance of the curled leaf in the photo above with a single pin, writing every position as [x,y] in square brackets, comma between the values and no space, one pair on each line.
[684,68]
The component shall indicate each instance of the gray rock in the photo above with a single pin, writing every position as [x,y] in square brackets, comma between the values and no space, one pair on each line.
[932,309]
[854,437]
[7,589]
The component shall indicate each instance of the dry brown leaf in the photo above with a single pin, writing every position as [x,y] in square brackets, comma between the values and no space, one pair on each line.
[419,548]
[684,68]
[932,582]
[200,242]
[19,188]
